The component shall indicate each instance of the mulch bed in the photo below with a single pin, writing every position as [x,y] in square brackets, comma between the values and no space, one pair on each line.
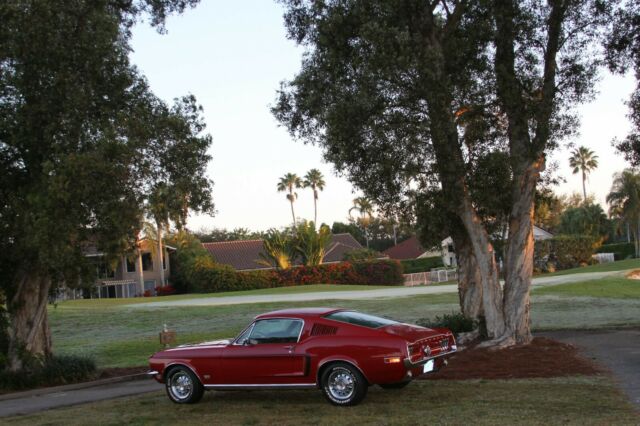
[541,358]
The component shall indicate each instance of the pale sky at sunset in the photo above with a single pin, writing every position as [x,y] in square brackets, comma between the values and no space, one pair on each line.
[232,56]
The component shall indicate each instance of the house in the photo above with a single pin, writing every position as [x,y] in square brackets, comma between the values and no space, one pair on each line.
[122,279]
[244,255]
[412,249]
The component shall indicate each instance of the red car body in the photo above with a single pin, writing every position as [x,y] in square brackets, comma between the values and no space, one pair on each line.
[300,345]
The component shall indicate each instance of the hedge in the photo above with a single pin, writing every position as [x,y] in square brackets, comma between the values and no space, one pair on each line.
[564,252]
[621,251]
[210,277]
[425,264]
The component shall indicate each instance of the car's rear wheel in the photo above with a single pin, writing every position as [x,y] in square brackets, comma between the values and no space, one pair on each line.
[343,384]
[183,387]
[398,385]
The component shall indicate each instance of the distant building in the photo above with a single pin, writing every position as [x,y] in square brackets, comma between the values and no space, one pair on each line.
[122,280]
[412,249]
[244,255]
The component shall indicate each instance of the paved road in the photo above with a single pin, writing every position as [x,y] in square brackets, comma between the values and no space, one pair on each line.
[618,350]
[358,294]
[34,404]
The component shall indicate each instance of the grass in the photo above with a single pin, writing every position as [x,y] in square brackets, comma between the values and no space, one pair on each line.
[315,288]
[610,287]
[620,265]
[580,401]
[120,335]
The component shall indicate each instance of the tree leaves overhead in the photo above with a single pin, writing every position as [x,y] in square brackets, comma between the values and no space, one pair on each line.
[83,140]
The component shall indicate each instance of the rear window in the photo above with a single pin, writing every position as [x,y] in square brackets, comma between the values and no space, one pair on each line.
[359,318]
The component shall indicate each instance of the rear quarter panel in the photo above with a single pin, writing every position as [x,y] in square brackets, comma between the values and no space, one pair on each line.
[363,347]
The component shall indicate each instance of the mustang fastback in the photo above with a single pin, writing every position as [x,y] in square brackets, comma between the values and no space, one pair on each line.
[340,352]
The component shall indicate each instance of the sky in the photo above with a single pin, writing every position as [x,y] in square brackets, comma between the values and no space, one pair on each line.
[233,55]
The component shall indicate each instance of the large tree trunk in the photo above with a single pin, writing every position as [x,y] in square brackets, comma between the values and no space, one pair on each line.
[519,255]
[488,273]
[29,334]
[469,280]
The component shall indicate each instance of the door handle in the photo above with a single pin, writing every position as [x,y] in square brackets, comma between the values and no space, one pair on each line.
[289,348]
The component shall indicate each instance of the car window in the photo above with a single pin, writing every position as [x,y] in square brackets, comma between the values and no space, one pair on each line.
[242,338]
[276,330]
[358,318]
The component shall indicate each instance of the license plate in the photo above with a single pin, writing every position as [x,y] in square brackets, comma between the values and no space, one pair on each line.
[428,367]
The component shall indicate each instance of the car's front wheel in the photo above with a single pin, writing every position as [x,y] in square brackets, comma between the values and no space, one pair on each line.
[343,384]
[183,387]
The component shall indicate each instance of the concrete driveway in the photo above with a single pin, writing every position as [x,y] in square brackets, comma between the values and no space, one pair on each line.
[618,350]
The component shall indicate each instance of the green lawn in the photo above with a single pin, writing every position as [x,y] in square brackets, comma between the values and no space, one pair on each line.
[124,335]
[120,335]
[315,288]
[610,287]
[578,400]
[620,265]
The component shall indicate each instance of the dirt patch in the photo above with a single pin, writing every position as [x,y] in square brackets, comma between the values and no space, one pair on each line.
[121,371]
[634,275]
[543,357]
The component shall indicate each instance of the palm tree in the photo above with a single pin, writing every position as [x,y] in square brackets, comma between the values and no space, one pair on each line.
[624,201]
[583,160]
[314,180]
[311,244]
[364,207]
[288,183]
[278,250]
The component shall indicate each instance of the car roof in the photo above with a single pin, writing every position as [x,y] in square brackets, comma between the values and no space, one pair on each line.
[299,312]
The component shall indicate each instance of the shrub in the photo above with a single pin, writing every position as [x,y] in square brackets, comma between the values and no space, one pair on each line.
[456,322]
[620,251]
[421,265]
[361,254]
[565,251]
[57,370]
[380,272]
[165,291]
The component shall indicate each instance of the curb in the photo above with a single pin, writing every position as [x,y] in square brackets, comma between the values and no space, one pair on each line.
[74,386]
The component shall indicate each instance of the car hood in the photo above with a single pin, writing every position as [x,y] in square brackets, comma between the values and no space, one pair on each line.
[413,333]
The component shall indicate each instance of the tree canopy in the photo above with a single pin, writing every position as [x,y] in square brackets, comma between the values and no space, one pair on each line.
[84,145]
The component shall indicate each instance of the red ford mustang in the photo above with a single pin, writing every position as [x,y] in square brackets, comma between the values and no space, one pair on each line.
[339,351]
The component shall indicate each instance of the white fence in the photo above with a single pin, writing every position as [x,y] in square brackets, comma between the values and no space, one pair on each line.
[604,257]
[434,276]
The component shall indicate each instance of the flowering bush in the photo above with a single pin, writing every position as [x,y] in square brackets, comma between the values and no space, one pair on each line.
[165,291]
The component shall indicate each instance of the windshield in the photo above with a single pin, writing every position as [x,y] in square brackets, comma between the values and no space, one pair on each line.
[358,318]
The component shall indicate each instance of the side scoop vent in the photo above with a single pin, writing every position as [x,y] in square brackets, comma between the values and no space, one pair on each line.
[323,330]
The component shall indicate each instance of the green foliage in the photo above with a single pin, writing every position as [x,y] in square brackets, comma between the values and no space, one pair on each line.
[456,322]
[310,243]
[222,234]
[57,370]
[425,264]
[279,249]
[588,219]
[564,252]
[188,261]
[621,251]
[361,254]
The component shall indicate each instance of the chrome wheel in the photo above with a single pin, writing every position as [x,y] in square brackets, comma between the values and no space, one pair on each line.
[341,384]
[181,386]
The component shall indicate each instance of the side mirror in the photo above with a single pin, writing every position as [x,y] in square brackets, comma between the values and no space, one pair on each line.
[250,342]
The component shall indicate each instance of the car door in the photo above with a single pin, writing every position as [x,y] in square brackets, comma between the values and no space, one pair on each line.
[266,353]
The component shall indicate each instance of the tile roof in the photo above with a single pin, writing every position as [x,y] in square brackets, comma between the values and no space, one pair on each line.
[244,254]
[408,249]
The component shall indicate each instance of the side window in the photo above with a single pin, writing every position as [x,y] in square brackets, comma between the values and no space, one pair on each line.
[244,336]
[276,330]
